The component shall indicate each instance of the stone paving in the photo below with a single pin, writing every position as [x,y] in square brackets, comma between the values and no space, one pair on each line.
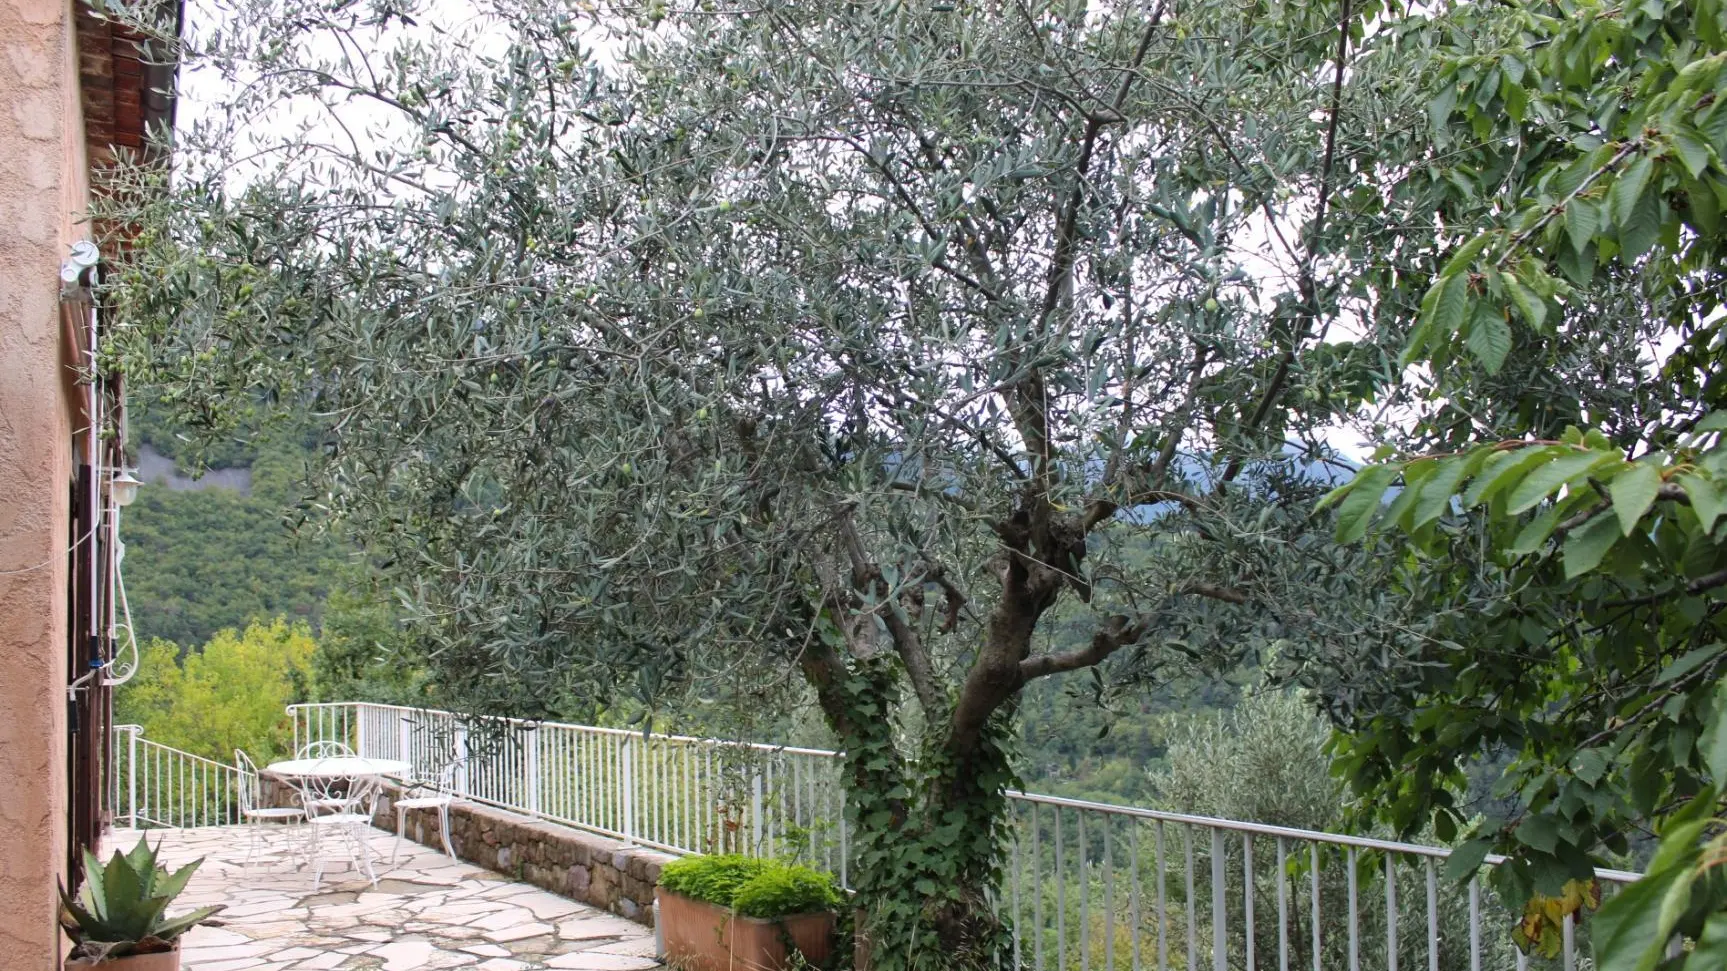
[427,911]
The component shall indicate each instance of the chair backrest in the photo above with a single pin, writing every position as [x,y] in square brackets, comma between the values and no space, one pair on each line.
[248,783]
[326,749]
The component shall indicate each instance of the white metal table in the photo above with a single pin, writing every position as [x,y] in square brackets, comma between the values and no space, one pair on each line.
[338,767]
[314,777]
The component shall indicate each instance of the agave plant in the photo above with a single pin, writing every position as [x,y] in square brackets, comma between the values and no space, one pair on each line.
[120,908]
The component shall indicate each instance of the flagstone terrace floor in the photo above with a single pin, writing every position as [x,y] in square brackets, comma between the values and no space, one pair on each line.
[428,911]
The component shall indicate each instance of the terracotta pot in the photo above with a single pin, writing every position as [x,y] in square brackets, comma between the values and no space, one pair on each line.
[160,961]
[700,936]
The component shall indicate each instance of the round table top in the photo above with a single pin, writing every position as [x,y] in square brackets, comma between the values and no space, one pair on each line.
[339,766]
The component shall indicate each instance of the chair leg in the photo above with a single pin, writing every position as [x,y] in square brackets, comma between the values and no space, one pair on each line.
[365,851]
[396,847]
[444,830]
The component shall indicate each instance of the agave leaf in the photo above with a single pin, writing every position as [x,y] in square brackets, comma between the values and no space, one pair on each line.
[98,951]
[122,891]
[147,916]
[78,922]
[153,944]
[170,929]
[93,894]
[171,885]
[143,862]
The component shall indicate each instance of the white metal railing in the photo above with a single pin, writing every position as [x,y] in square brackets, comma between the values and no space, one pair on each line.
[1087,885]
[673,792]
[155,785]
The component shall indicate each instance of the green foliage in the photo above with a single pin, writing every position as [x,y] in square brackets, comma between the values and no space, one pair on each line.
[232,693]
[1569,549]
[867,343]
[751,886]
[714,879]
[121,909]
[200,561]
[785,891]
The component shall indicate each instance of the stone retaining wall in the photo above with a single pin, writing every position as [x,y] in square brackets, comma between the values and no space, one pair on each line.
[605,873]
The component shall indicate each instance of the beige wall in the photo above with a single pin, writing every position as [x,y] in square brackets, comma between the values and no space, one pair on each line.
[42,186]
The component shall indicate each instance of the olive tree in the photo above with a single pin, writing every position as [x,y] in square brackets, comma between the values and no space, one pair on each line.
[691,345]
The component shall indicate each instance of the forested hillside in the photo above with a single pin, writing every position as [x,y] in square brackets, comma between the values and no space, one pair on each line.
[202,561]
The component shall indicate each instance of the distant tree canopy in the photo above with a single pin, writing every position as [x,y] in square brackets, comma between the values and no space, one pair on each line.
[918,351]
[232,693]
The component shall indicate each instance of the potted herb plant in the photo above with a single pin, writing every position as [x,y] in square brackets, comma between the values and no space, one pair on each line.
[119,918]
[718,913]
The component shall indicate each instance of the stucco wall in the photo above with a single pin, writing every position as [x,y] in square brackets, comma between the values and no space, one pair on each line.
[42,188]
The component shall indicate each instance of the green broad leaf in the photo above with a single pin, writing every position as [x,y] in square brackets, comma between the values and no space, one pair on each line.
[1504,470]
[1538,832]
[1687,663]
[1568,465]
[1706,499]
[1589,765]
[1715,421]
[1355,513]
[1640,232]
[1440,108]
[1439,490]
[1529,304]
[1450,305]
[1588,544]
[1692,151]
[1712,744]
[1626,928]
[1489,340]
[1628,188]
[1633,492]
[1415,475]
[1582,222]
[1464,256]
[1466,859]
[1711,949]
[1534,533]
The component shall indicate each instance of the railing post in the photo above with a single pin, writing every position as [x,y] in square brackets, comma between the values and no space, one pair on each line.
[404,743]
[461,761]
[628,778]
[132,778]
[1219,905]
[532,767]
[756,813]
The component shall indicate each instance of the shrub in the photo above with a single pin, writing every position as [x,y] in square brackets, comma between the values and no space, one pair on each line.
[780,891]
[714,879]
[753,888]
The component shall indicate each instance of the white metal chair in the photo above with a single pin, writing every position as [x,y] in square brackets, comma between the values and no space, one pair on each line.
[259,816]
[439,800]
[350,823]
[317,799]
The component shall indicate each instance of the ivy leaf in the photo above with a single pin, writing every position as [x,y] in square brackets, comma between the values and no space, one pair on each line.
[1588,545]
[1633,492]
